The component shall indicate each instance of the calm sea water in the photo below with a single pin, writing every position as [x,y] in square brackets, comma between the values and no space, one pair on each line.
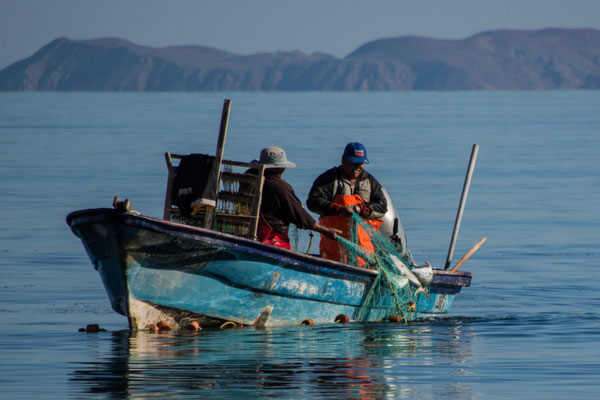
[529,326]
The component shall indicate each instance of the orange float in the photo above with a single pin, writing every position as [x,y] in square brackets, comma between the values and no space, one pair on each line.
[163,326]
[193,326]
[342,319]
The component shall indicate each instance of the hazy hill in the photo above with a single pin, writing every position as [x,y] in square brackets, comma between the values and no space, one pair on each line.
[504,59]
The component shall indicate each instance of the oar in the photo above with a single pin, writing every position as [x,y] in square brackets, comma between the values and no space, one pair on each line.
[469,254]
[461,206]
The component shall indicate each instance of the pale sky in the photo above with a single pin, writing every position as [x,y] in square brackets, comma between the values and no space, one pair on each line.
[336,27]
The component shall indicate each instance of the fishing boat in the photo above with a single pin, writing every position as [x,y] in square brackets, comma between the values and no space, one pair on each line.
[201,263]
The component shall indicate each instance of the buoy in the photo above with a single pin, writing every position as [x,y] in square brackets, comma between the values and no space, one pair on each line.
[152,328]
[308,321]
[342,319]
[394,318]
[194,326]
[163,326]
[92,328]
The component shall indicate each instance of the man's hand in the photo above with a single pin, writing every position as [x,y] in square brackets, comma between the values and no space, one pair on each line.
[347,211]
[365,211]
[329,233]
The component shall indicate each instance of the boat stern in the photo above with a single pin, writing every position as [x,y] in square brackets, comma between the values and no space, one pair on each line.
[442,289]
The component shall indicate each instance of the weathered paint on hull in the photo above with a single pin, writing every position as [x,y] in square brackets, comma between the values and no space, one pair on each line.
[156,270]
[439,304]
[267,291]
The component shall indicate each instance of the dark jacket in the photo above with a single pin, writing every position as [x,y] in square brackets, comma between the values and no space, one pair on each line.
[280,206]
[329,184]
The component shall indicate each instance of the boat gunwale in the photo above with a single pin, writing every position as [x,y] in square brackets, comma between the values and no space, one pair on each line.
[290,257]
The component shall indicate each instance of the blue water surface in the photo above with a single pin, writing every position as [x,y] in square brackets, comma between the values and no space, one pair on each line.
[528,327]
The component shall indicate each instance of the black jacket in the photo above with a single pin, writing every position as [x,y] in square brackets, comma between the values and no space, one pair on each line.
[329,184]
[280,206]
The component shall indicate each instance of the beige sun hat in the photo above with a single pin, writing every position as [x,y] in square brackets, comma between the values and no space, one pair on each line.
[274,157]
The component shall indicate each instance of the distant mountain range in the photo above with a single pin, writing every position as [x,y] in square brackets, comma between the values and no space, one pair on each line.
[495,60]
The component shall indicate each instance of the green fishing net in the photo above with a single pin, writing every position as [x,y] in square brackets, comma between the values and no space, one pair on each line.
[391,293]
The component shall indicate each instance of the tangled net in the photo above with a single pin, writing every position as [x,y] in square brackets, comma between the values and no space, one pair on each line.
[392,292]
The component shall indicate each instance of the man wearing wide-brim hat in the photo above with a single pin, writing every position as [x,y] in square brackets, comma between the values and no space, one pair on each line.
[279,206]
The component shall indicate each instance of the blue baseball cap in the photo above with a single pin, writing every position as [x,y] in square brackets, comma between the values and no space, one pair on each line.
[356,153]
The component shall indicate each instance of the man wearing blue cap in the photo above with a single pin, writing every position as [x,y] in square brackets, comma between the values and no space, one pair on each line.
[343,190]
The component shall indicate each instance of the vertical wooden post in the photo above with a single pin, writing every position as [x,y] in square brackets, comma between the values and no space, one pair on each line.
[210,215]
[257,201]
[170,177]
[223,132]
[461,207]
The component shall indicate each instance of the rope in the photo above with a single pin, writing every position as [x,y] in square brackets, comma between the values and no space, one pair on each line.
[311,235]
[228,324]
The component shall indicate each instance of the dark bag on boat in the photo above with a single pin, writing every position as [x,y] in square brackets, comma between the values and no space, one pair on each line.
[195,183]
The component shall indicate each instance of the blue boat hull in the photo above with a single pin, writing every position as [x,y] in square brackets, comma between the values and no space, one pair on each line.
[155,270]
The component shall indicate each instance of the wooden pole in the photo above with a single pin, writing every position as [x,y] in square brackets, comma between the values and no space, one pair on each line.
[256,205]
[210,215]
[461,206]
[223,131]
[469,254]
[170,178]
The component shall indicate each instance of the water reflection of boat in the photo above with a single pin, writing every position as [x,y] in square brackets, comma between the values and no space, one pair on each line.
[205,266]
[368,361]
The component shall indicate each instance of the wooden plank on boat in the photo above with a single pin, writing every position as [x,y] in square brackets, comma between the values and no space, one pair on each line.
[210,215]
[257,202]
[170,177]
